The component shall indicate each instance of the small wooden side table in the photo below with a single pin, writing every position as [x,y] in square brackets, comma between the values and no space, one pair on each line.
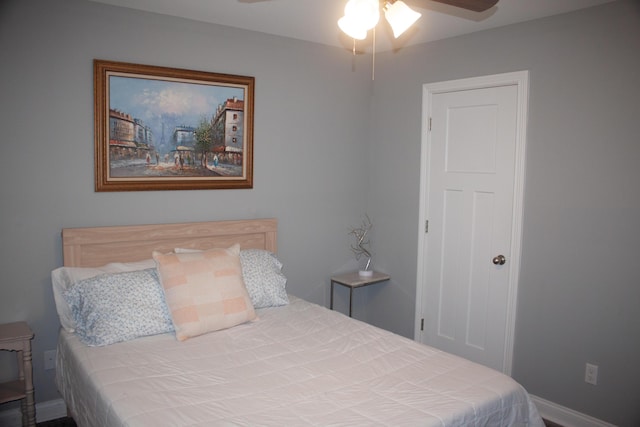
[17,337]
[355,280]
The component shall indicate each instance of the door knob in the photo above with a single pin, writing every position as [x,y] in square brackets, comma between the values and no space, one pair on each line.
[499,260]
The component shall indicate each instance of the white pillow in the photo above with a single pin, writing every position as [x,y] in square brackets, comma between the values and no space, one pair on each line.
[114,307]
[261,271]
[64,278]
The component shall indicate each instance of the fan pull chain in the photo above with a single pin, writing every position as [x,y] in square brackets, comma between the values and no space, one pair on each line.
[373,56]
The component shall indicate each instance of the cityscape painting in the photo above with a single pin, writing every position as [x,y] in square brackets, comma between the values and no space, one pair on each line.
[159,128]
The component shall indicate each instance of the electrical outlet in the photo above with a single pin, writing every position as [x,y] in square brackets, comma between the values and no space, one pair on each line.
[591,374]
[50,359]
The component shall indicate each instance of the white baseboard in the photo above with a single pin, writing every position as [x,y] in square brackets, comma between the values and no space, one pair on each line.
[565,416]
[45,411]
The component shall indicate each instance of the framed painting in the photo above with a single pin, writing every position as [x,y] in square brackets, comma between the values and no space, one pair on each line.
[160,128]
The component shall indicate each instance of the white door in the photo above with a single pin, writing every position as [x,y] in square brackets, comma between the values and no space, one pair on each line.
[472,173]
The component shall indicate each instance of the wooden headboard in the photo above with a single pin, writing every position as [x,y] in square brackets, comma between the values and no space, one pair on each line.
[96,246]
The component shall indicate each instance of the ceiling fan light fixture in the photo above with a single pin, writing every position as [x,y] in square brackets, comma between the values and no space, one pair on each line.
[359,17]
[400,16]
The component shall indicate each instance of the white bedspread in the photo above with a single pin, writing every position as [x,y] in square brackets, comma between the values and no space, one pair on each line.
[298,365]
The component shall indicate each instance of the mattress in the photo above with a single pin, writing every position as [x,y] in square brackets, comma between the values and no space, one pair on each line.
[296,365]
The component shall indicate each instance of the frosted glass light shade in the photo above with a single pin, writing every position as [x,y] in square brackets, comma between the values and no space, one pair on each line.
[359,17]
[400,17]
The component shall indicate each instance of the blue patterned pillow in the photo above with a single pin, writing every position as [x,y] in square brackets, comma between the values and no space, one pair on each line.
[110,308]
[262,276]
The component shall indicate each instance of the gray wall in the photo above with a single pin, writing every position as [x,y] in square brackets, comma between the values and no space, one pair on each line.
[310,128]
[579,284]
[330,145]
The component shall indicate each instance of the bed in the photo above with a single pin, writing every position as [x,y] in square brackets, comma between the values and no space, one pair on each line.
[294,364]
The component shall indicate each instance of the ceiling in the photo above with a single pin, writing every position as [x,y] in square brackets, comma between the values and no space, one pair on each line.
[316,20]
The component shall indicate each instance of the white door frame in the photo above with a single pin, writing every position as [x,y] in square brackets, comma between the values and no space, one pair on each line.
[521,80]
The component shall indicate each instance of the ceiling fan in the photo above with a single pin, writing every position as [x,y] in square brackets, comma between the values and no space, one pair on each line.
[362,15]
[473,5]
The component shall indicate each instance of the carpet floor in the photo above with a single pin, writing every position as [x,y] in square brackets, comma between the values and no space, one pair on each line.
[59,422]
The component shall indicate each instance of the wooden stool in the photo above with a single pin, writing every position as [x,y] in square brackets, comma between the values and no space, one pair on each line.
[17,337]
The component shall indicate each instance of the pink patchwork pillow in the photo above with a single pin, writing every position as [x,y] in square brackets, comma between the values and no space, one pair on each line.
[204,290]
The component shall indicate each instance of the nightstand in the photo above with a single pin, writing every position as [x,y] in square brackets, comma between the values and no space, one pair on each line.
[17,337]
[355,280]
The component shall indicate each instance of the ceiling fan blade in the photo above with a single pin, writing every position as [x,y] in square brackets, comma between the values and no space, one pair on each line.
[474,5]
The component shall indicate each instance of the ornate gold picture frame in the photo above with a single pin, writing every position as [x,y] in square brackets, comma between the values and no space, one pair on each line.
[159,128]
